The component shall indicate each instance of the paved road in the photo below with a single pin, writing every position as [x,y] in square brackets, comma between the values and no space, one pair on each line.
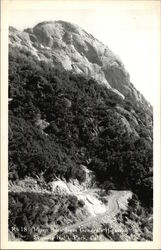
[111,211]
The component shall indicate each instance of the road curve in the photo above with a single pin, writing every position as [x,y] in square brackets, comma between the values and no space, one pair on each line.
[111,211]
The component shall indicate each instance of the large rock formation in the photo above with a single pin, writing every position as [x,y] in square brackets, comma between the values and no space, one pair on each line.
[62,43]
[73,138]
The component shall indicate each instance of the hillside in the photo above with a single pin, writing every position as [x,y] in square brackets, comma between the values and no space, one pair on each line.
[71,47]
[65,124]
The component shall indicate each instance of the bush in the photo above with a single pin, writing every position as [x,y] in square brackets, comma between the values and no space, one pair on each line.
[80,115]
[33,213]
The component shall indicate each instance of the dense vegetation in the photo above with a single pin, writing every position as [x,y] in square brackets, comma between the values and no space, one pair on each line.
[59,120]
[133,225]
[32,214]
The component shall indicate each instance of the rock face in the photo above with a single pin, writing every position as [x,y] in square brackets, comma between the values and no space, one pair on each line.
[71,139]
[67,45]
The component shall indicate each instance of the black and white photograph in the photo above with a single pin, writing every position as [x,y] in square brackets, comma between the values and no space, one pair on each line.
[82,93]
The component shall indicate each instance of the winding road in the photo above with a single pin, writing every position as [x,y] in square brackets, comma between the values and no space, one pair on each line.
[112,209]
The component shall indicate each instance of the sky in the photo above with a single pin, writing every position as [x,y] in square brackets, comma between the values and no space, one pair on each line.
[129,28]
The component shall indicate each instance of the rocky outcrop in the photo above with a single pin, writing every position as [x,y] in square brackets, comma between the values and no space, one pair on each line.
[65,44]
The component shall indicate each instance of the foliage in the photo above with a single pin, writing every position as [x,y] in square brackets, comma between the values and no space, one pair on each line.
[32,214]
[136,215]
[84,127]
